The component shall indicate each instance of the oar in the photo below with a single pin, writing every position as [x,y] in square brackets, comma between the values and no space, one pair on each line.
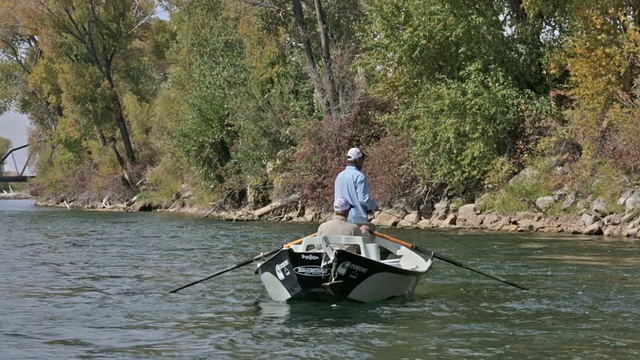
[240,264]
[446,259]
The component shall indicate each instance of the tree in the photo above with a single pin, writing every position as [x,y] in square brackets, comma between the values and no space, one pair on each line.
[84,72]
[5,145]
[461,81]
[205,73]
[19,54]
[593,52]
[247,84]
[325,34]
[93,42]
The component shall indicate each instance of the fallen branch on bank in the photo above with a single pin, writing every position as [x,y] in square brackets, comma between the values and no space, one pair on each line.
[278,204]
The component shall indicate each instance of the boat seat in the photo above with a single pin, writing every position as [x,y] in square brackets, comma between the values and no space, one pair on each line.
[356,244]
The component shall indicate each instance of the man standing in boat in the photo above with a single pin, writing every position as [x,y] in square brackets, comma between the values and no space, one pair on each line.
[352,185]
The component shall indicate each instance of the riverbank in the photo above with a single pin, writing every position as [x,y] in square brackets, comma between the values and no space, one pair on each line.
[593,220]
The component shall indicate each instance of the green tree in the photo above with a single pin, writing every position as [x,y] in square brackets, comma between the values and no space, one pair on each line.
[593,49]
[94,45]
[86,73]
[245,91]
[5,146]
[461,80]
[313,49]
[19,54]
[205,73]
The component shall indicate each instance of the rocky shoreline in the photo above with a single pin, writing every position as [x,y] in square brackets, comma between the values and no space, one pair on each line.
[592,220]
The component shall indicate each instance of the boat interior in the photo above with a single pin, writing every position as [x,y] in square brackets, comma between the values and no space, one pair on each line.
[374,248]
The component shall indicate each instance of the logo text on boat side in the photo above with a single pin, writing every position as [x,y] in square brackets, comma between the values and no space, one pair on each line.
[311,270]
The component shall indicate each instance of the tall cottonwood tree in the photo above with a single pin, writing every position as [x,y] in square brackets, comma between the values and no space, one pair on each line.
[319,38]
[19,55]
[91,44]
[325,85]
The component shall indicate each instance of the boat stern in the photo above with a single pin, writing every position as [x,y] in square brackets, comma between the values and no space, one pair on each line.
[278,277]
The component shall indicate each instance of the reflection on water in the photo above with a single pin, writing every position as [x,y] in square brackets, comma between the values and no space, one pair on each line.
[95,285]
[274,310]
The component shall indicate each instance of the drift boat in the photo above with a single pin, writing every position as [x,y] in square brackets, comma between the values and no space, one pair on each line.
[357,268]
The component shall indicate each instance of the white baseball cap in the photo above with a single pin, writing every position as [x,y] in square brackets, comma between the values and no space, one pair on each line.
[355,153]
[341,205]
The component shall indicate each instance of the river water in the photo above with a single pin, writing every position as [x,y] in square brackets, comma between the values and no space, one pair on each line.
[94,285]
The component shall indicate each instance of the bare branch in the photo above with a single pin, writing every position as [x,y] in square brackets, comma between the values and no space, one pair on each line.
[15,56]
[146,18]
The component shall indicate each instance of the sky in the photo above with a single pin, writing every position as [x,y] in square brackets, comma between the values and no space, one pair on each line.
[15,127]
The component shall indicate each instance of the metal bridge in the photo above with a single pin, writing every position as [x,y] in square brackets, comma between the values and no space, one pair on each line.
[20,177]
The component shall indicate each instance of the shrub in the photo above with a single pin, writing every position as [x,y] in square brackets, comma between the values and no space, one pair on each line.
[322,154]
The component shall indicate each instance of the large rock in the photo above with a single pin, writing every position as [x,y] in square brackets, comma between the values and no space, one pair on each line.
[632,202]
[490,219]
[600,206]
[545,202]
[441,209]
[528,225]
[411,220]
[589,217]
[593,229]
[449,221]
[143,206]
[388,218]
[627,194]
[570,200]
[469,216]
[526,175]
[424,224]
[613,231]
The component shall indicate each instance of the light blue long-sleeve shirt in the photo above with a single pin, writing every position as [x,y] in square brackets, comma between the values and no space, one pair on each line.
[352,185]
